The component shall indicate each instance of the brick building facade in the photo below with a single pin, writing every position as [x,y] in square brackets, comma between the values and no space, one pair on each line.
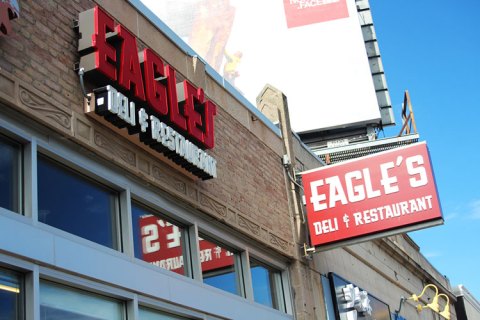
[79,193]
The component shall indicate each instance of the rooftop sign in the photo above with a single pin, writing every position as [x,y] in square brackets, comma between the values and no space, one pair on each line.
[313,51]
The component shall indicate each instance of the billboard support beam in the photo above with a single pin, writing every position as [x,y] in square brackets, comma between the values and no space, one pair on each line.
[408,120]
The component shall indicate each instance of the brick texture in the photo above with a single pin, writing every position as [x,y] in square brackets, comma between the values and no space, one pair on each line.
[249,193]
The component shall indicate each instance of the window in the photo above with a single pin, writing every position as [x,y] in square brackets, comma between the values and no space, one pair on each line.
[219,267]
[61,302]
[149,314]
[267,285]
[11,295]
[10,168]
[76,204]
[158,241]
[344,308]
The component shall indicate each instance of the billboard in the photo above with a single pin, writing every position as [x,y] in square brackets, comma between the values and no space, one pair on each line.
[382,194]
[313,51]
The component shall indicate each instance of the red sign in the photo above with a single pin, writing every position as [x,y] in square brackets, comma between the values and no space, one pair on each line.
[386,193]
[8,11]
[109,54]
[304,12]
[162,246]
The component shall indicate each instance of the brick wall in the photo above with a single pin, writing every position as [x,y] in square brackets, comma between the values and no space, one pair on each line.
[37,78]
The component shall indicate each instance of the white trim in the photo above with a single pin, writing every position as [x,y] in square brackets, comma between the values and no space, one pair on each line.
[30,193]
[32,294]
[126,223]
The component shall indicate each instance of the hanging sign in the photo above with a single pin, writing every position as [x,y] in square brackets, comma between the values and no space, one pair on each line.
[371,197]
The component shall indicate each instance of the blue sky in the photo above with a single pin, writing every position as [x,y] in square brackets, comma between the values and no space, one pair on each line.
[432,49]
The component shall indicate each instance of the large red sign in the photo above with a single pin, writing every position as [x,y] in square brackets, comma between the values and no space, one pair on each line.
[137,90]
[386,193]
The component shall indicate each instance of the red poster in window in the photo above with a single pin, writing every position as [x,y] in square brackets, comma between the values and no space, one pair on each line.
[161,243]
[374,196]
[162,246]
[304,12]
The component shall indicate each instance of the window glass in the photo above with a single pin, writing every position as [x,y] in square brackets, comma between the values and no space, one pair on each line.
[76,204]
[149,314]
[267,286]
[157,240]
[219,266]
[379,309]
[11,295]
[61,302]
[10,153]
[328,298]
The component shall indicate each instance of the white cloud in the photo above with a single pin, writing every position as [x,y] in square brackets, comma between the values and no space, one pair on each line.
[432,254]
[450,216]
[474,212]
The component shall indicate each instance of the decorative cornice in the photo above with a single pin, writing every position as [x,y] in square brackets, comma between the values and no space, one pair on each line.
[114,149]
[248,225]
[278,242]
[45,108]
[208,202]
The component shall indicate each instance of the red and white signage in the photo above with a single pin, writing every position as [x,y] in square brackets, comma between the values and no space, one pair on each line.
[9,10]
[383,194]
[137,90]
[162,246]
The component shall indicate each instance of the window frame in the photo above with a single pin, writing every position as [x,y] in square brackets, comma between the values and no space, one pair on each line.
[7,139]
[77,171]
[238,268]
[21,307]
[185,232]
[276,283]
[75,289]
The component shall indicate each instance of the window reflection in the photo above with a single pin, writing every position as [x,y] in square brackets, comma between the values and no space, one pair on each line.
[10,153]
[76,204]
[158,241]
[58,302]
[266,283]
[11,295]
[218,266]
